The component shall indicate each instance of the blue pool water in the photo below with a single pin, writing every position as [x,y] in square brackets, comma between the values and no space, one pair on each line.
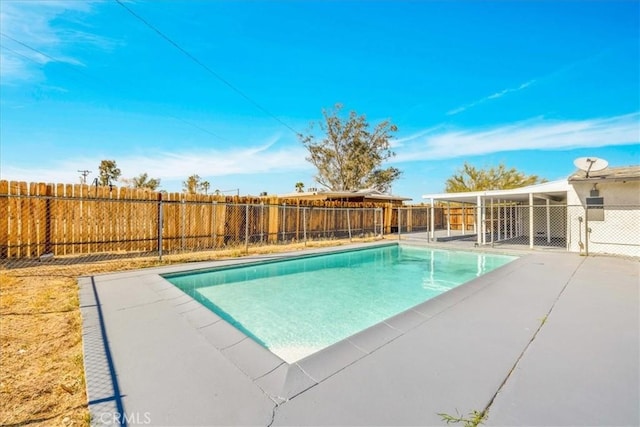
[298,306]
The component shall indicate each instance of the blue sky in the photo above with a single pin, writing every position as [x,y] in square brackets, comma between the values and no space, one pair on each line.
[529,84]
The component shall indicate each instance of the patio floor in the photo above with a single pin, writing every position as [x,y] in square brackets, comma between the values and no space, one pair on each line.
[552,338]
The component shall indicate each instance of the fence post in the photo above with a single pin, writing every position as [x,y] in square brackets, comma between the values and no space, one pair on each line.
[298,220]
[548,213]
[464,218]
[492,223]
[160,221]
[246,228]
[304,225]
[349,224]
[375,222]
[531,236]
[183,214]
[432,221]
[48,237]
[284,221]
[399,223]
[261,222]
[428,226]
[215,224]
[586,231]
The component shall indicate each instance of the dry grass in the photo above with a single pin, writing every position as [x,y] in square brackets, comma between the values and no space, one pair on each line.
[42,379]
[41,360]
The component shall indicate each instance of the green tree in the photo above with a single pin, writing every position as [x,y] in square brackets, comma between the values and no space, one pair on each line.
[143,181]
[349,155]
[108,172]
[470,178]
[195,185]
[382,179]
[299,187]
[191,185]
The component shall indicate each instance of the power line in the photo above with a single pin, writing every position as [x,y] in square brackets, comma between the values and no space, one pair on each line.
[100,81]
[206,68]
[27,46]
[15,52]
[39,52]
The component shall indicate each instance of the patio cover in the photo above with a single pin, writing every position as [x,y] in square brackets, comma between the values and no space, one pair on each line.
[553,190]
[549,191]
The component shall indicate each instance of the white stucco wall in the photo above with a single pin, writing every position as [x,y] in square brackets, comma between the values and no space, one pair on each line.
[619,233]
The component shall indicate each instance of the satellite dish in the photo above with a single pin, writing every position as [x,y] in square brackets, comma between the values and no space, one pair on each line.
[590,164]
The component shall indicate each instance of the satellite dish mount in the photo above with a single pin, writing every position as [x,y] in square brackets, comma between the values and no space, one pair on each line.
[590,164]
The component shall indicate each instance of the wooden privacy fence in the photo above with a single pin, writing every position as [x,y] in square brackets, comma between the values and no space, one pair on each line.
[418,218]
[65,219]
[76,219]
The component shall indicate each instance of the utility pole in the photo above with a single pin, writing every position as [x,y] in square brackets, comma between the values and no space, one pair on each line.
[84,173]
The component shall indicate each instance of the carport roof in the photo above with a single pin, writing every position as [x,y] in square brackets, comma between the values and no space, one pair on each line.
[554,190]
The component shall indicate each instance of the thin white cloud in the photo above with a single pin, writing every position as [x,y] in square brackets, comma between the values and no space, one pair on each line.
[32,23]
[535,134]
[177,165]
[401,142]
[496,95]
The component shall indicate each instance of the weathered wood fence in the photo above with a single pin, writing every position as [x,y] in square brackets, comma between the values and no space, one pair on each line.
[76,219]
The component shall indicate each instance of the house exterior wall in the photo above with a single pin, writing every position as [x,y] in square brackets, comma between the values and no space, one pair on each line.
[619,232]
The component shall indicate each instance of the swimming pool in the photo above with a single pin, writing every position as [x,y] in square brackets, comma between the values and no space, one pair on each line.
[296,307]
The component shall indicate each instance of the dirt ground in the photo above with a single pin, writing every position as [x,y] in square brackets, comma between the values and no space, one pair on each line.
[41,358]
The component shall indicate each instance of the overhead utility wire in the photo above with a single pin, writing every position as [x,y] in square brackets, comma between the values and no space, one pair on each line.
[92,78]
[15,52]
[205,67]
[39,53]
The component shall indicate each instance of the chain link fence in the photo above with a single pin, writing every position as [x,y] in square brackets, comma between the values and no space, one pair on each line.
[72,223]
[40,227]
[608,229]
[192,226]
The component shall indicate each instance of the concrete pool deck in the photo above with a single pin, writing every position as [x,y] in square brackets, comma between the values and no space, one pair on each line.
[549,339]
